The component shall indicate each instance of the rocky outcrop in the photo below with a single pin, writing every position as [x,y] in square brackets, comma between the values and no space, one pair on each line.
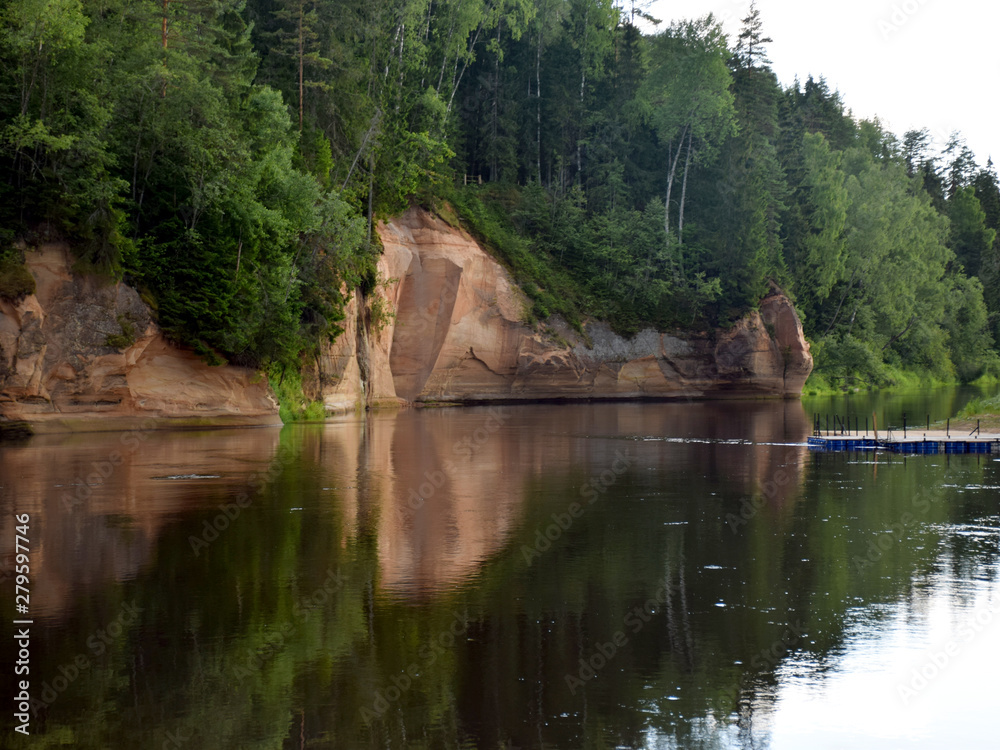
[457,335]
[445,325]
[83,353]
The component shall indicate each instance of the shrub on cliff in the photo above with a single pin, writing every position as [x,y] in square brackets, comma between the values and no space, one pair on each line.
[15,279]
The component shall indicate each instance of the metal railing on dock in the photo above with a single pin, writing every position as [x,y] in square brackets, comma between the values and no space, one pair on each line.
[836,433]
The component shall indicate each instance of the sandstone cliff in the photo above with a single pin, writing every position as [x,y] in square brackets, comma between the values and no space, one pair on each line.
[446,326]
[84,354]
[457,336]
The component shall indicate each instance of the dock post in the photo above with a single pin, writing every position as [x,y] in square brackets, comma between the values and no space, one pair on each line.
[947,428]
[904,425]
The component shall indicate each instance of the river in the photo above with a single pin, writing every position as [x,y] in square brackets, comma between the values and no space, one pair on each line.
[637,575]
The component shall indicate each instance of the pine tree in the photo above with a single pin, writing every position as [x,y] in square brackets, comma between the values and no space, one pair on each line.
[750,50]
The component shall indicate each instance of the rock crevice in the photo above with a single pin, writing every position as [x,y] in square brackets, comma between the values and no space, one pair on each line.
[458,335]
[446,324]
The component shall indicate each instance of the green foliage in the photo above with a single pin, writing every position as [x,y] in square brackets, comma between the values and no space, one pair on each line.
[485,213]
[380,315]
[819,385]
[16,280]
[981,406]
[817,258]
[126,338]
[849,362]
[293,405]
[966,322]
[970,239]
[170,165]
[232,159]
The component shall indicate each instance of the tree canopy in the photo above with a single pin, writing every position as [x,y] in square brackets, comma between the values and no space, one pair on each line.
[230,157]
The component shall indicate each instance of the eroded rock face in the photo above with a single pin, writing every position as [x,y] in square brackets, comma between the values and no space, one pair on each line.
[444,326]
[82,353]
[457,336]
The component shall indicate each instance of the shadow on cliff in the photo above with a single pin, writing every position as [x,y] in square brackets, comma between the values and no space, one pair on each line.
[457,334]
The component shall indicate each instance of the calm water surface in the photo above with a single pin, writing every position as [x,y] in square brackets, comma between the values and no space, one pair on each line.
[592,576]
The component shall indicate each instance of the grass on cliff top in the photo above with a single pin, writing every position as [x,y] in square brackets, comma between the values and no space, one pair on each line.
[484,212]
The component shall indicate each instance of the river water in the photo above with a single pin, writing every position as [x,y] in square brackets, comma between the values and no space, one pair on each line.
[544,576]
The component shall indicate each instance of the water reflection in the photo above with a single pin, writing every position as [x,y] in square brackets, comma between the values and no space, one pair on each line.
[445,489]
[633,575]
[100,503]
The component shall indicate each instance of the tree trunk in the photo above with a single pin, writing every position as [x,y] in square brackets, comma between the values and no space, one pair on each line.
[301,64]
[579,147]
[371,194]
[163,33]
[680,213]
[583,85]
[538,107]
[494,127]
[376,118]
[458,79]
[836,314]
[894,339]
[427,33]
[444,55]
[673,157]
[399,88]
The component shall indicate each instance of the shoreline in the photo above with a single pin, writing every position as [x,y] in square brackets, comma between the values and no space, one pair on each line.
[20,429]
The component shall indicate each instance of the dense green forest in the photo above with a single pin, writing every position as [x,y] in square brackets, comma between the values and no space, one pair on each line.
[229,158]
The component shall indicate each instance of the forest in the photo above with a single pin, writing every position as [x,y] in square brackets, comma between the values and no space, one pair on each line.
[229,159]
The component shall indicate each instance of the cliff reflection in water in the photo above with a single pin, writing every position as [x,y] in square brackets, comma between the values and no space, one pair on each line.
[418,578]
[100,501]
[444,490]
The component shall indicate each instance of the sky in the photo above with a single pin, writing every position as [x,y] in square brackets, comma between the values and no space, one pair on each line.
[912,63]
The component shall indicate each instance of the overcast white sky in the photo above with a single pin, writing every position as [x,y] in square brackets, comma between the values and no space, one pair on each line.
[913,63]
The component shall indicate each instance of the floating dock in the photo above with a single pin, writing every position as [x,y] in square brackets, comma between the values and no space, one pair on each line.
[914,441]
